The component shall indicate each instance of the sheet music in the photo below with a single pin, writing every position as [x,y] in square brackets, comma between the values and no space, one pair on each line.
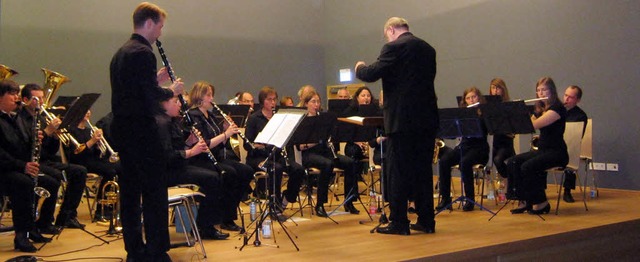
[278,129]
[356,118]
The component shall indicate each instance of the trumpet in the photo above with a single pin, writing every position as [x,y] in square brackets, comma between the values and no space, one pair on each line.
[104,146]
[63,135]
[436,150]
[111,197]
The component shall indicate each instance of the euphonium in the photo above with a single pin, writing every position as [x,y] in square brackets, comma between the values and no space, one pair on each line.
[52,82]
[6,72]
[111,197]
[436,150]
[104,146]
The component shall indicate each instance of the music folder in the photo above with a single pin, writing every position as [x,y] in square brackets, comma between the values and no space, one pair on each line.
[281,127]
[78,110]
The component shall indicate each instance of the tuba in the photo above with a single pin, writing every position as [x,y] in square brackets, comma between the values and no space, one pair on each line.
[52,82]
[6,72]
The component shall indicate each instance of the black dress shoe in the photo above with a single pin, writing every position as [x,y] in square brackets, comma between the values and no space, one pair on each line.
[544,210]
[48,230]
[230,226]
[567,197]
[394,229]
[213,233]
[351,209]
[429,229]
[38,238]
[521,210]
[22,243]
[445,203]
[74,223]
[468,206]
[320,211]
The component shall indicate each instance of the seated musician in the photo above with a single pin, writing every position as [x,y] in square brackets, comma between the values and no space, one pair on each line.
[95,158]
[51,164]
[502,143]
[572,96]
[180,172]
[259,153]
[470,151]
[527,171]
[320,156]
[362,96]
[237,176]
[18,173]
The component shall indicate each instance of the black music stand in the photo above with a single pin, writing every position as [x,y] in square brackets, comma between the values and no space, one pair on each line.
[238,113]
[277,133]
[460,122]
[61,104]
[315,129]
[78,109]
[507,118]
[337,106]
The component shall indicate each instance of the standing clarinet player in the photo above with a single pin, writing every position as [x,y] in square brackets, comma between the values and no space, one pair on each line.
[407,67]
[135,103]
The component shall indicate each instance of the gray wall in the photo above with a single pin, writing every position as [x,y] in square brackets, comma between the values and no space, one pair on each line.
[245,44]
[590,43]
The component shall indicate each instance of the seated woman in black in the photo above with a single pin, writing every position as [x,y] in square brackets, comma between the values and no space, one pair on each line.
[355,149]
[180,172]
[94,158]
[502,143]
[527,171]
[238,175]
[471,151]
[320,156]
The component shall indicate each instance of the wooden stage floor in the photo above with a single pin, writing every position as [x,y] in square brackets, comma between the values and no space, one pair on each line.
[609,230]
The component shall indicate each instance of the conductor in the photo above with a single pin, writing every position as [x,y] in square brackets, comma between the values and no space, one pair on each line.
[407,67]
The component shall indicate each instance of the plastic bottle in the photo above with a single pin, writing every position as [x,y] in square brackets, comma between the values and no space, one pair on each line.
[266,228]
[373,205]
[252,209]
[501,192]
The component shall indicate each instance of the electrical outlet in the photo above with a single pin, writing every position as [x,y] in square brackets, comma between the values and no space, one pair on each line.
[599,166]
[612,167]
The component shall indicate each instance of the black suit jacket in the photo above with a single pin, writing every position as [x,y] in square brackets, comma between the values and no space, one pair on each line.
[407,67]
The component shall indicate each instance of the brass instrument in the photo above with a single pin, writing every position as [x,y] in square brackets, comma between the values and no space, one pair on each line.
[534,142]
[64,136]
[52,82]
[111,197]
[104,146]
[436,150]
[6,72]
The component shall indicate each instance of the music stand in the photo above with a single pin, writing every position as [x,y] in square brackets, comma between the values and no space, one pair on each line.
[507,118]
[338,106]
[315,129]
[78,110]
[238,113]
[460,122]
[277,133]
[62,104]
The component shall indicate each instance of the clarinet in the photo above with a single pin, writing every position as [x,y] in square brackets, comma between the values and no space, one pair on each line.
[230,122]
[35,157]
[184,108]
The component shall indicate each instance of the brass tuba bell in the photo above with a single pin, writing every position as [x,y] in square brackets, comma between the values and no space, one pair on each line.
[52,82]
[6,72]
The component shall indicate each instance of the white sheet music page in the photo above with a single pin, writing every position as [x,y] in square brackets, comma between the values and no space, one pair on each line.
[278,129]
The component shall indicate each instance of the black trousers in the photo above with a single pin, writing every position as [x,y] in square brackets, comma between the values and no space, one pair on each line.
[235,180]
[500,155]
[19,188]
[527,173]
[408,158]
[322,159]
[210,183]
[470,156]
[76,176]
[293,169]
[143,186]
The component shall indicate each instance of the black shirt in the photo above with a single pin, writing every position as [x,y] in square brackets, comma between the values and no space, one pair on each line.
[552,136]
[576,114]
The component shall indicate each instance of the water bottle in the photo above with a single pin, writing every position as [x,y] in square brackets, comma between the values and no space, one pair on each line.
[501,193]
[252,210]
[266,228]
[373,205]
[593,192]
